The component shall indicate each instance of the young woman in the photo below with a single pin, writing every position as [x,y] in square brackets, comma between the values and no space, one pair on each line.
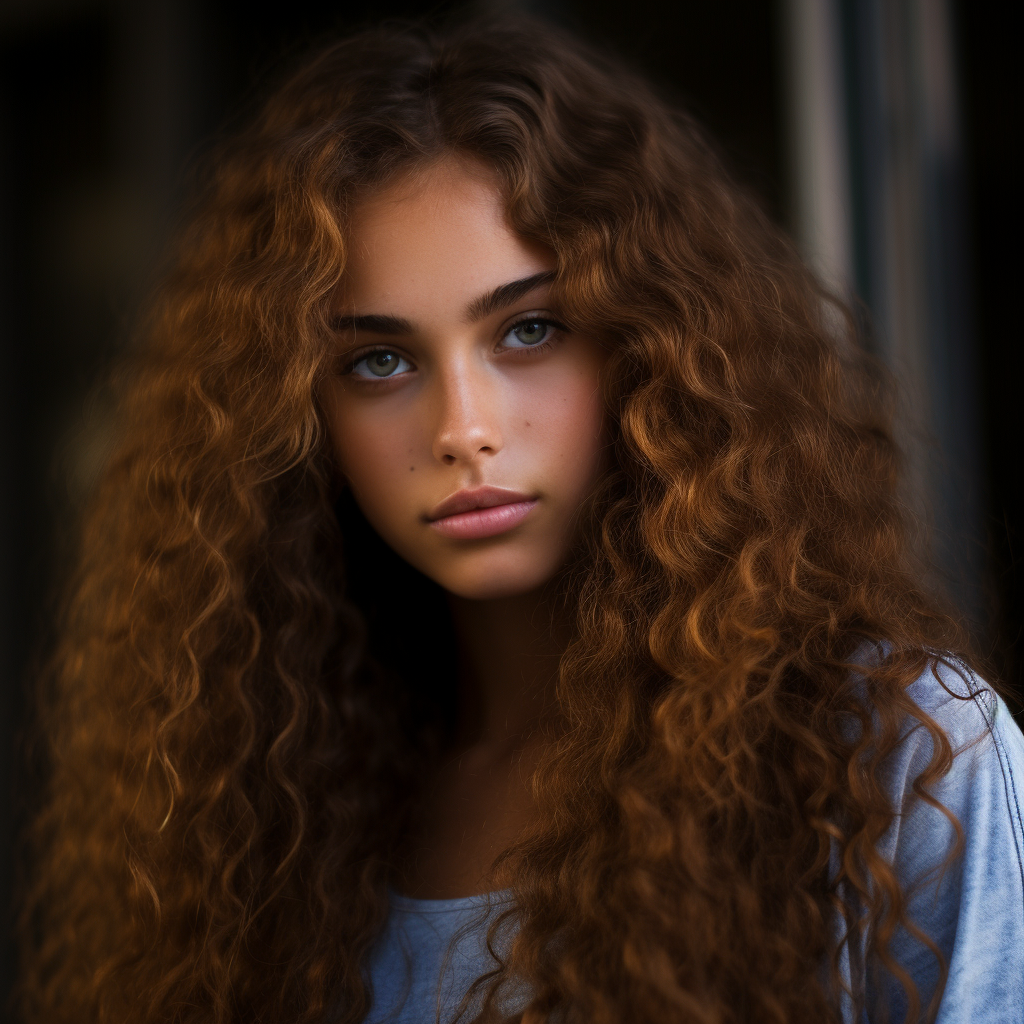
[500,605]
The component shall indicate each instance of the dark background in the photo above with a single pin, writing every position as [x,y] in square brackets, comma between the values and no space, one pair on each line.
[105,107]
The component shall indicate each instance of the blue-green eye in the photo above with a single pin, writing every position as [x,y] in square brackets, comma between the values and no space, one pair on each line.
[382,363]
[529,333]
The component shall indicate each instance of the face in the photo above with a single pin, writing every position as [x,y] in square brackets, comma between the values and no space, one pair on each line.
[465,418]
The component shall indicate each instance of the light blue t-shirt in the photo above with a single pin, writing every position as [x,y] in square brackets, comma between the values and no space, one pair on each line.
[428,956]
[431,950]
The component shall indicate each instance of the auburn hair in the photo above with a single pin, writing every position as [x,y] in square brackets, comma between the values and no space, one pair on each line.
[232,758]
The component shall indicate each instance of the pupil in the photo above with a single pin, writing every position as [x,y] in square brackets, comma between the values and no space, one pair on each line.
[382,363]
[531,333]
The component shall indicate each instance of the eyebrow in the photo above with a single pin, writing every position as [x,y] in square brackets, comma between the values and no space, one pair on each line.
[505,294]
[373,322]
[483,306]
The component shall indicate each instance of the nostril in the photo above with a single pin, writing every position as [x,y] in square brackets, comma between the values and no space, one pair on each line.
[448,460]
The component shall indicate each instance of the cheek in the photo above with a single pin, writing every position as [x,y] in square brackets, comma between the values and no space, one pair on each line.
[566,424]
[371,453]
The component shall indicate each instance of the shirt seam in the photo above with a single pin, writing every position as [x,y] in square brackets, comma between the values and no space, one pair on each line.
[1006,769]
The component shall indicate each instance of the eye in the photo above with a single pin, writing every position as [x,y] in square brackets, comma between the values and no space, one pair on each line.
[530,333]
[381,363]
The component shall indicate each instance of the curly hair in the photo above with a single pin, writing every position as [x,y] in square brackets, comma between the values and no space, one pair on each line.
[232,756]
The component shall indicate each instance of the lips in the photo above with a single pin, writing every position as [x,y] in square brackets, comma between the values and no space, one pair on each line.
[481,512]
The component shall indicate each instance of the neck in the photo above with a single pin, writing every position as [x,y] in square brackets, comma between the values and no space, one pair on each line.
[509,654]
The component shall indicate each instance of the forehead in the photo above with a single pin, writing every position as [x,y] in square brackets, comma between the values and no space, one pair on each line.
[432,240]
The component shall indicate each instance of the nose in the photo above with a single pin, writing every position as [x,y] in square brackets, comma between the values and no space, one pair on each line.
[467,422]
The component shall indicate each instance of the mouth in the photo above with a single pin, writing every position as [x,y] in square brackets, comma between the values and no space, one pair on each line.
[481,512]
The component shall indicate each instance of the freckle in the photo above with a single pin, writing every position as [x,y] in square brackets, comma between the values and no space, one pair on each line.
[527,422]
[412,469]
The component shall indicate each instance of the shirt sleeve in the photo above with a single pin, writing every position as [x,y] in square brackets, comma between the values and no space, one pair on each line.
[974,909]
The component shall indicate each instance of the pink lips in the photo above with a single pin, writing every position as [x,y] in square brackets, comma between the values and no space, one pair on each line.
[482,512]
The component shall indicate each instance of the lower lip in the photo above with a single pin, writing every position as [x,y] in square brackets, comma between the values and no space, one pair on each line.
[484,522]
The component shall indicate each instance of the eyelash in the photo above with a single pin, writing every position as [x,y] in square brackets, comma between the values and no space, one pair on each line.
[353,361]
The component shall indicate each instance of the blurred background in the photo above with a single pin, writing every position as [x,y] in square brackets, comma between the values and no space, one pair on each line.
[876,131]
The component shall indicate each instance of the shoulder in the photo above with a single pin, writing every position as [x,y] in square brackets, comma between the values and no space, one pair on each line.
[975,720]
[964,704]
[957,845]
[984,786]
[987,744]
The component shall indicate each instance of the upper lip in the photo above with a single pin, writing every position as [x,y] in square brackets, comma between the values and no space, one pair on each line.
[478,497]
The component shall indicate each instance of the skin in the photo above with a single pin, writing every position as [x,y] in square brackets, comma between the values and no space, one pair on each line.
[467,399]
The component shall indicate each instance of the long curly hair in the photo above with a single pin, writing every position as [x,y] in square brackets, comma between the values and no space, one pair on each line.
[233,756]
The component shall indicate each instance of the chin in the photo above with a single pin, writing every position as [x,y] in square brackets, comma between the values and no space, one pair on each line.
[490,580]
